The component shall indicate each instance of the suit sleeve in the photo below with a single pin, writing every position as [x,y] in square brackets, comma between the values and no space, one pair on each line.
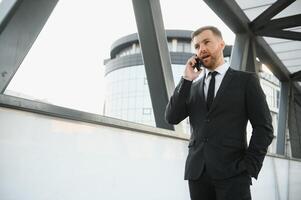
[261,121]
[176,109]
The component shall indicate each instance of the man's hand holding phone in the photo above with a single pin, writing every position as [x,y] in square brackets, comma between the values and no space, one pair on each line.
[193,68]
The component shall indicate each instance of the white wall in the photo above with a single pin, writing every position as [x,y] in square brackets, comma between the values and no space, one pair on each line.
[48,158]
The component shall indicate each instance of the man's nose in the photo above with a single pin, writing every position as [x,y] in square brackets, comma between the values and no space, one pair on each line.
[201,49]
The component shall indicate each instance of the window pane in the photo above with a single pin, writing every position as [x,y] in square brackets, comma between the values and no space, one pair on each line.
[65,64]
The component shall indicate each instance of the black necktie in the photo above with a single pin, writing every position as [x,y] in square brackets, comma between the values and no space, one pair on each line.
[210,94]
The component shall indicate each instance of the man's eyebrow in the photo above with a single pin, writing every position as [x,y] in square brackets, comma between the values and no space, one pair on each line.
[204,40]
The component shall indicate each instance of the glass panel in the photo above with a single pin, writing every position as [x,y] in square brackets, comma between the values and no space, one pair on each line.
[295,29]
[292,9]
[288,51]
[127,95]
[292,62]
[252,13]
[290,55]
[65,64]
[272,40]
[254,3]
[286,46]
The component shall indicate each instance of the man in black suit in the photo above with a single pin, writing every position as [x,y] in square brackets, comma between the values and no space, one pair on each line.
[220,163]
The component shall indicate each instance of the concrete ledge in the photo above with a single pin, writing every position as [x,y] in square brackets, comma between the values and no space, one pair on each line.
[67,113]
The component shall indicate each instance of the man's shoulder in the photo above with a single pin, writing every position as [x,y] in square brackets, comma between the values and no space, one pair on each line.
[242,74]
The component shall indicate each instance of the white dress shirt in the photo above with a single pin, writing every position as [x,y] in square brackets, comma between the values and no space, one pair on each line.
[218,78]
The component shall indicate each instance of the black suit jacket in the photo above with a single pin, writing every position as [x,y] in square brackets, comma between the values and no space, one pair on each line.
[218,136]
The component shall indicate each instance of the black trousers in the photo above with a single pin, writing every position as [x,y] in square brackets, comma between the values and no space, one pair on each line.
[234,188]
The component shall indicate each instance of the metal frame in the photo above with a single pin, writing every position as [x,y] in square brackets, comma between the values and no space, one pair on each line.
[240,51]
[283,23]
[19,31]
[290,35]
[265,17]
[267,56]
[27,18]
[156,56]
[9,7]
[243,56]
[296,76]
[283,118]
[240,25]
[249,33]
[70,114]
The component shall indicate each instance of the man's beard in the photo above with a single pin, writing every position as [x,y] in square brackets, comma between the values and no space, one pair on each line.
[211,64]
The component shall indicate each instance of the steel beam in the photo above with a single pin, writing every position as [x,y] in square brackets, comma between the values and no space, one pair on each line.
[238,22]
[251,65]
[289,35]
[239,51]
[7,11]
[296,76]
[243,56]
[283,23]
[156,56]
[19,33]
[265,17]
[27,105]
[231,14]
[282,117]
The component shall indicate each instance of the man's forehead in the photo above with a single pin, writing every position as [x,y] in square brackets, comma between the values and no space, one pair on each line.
[203,36]
[205,32]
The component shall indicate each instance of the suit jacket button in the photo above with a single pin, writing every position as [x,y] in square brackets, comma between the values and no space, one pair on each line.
[207,120]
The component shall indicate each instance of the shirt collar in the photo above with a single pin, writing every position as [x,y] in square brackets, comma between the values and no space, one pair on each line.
[220,69]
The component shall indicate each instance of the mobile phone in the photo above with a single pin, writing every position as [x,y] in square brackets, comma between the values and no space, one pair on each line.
[198,64]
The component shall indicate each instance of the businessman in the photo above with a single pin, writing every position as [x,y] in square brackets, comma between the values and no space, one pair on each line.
[219,104]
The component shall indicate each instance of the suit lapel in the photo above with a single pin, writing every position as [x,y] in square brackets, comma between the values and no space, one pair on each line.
[226,80]
[200,92]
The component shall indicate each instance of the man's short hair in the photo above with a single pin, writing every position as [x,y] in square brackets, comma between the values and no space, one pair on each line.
[214,30]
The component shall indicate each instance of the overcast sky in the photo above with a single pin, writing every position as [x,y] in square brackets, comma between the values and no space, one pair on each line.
[65,64]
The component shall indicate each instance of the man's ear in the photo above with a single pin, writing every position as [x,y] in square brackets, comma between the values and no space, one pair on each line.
[222,44]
